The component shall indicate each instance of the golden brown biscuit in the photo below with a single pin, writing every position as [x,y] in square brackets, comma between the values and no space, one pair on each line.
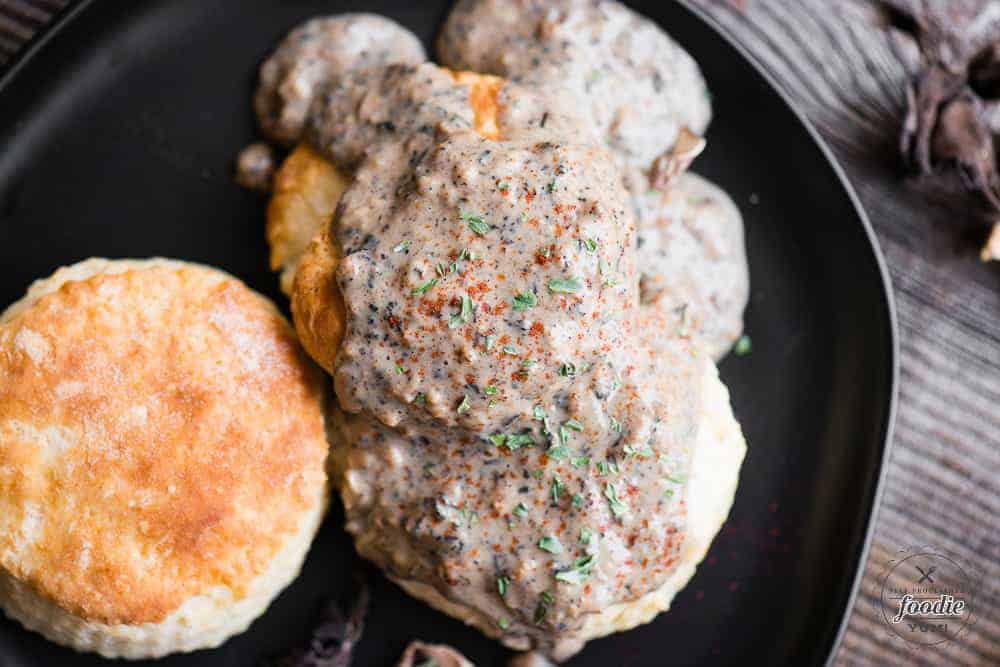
[307,190]
[162,455]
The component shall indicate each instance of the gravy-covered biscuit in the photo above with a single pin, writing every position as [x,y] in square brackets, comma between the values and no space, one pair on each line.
[162,454]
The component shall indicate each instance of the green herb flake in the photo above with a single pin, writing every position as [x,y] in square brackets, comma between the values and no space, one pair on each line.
[424,288]
[556,489]
[517,440]
[440,270]
[678,478]
[503,623]
[574,424]
[537,474]
[580,461]
[617,506]
[490,342]
[504,186]
[590,245]
[525,300]
[567,369]
[579,572]
[668,494]
[420,398]
[403,245]
[586,535]
[464,405]
[565,286]
[477,224]
[542,610]
[602,467]
[577,500]
[743,346]
[551,186]
[491,390]
[520,511]
[539,413]
[616,425]
[498,439]
[557,453]
[464,314]
[550,544]
[642,451]
[510,349]
[502,583]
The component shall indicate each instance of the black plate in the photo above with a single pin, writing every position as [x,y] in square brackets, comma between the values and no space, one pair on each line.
[117,137]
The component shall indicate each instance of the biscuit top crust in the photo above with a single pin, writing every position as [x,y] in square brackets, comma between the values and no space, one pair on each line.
[161,434]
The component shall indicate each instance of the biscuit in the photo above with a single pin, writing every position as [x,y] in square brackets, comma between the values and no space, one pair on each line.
[162,454]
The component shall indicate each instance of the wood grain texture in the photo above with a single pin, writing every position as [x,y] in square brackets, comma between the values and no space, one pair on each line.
[943,486]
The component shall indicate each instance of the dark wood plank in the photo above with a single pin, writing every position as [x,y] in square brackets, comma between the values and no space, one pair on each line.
[943,487]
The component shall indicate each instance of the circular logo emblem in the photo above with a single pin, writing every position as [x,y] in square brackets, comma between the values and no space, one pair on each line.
[927,597]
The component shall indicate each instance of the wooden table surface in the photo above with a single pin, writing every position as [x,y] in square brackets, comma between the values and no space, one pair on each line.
[943,485]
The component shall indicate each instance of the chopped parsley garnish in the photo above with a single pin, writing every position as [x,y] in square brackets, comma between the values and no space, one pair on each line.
[567,369]
[424,288]
[539,413]
[743,346]
[528,363]
[557,488]
[616,425]
[590,245]
[512,441]
[565,286]
[504,186]
[668,494]
[403,245]
[503,623]
[577,500]
[464,314]
[574,424]
[602,467]
[400,369]
[464,405]
[510,349]
[642,451]
[440,270]
[476,224]
[550,544]
[525,300]
[491,390]
[580,461]
[557,453]
[679,478]
[538,473]
[579,572]
[521,510]
[420,399]
[490,341]
[585,535]
[551,187]
[542,610]
[502,583]
[617,506]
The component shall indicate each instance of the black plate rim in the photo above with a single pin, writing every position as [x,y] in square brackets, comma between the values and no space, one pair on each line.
[888,295]
[68,14]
